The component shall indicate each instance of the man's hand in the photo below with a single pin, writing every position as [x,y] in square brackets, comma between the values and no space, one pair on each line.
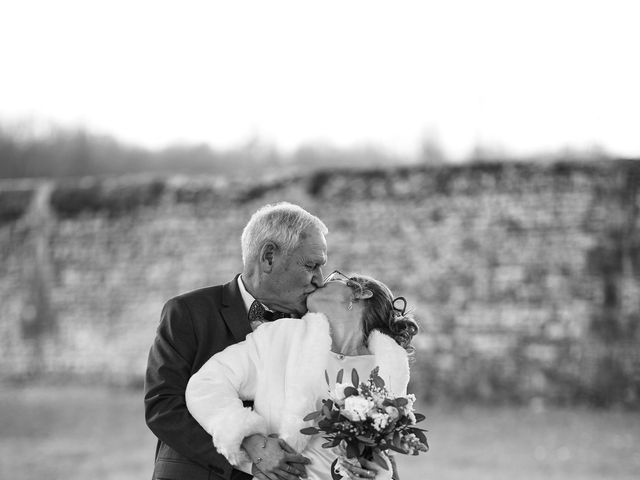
[274,459]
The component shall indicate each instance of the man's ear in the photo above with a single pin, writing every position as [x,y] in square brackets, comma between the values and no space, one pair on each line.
[267,256]
[363,295]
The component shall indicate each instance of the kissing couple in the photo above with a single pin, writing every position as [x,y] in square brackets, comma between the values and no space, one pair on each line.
[234,369]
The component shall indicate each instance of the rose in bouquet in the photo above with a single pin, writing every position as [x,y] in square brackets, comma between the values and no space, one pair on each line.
[367,420]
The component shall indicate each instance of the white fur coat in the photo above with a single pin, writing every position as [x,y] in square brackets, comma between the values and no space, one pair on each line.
[281,367]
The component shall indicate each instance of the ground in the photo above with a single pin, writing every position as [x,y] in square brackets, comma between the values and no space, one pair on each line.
[73,432]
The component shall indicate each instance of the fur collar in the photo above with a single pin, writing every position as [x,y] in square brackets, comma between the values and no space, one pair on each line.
[392,360]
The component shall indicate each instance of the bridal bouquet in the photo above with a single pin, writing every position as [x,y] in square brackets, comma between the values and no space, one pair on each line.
[367,420]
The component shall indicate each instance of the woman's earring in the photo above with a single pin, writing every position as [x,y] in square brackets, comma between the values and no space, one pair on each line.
[350,305]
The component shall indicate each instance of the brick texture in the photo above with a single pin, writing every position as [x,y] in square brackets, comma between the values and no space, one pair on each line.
[525,278]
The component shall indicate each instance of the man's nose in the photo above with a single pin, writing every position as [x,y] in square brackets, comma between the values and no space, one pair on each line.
[318,279]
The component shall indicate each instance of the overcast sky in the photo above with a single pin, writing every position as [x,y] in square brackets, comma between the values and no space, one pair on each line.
[523,75]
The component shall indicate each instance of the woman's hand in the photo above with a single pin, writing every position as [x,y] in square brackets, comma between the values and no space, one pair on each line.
[367,470]
[274,458]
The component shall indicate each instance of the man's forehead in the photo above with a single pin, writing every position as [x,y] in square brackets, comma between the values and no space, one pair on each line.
[319,259]
[314,252]
[313,237]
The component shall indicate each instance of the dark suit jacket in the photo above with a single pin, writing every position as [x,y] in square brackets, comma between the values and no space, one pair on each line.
[193,327]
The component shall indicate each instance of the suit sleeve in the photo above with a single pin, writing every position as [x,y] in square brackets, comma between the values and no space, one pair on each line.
[214,396]
[168,370]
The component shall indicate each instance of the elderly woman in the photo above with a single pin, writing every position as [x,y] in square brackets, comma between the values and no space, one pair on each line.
[352,323]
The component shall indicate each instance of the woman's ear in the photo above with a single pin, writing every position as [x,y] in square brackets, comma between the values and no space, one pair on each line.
[267,256]
[363,294]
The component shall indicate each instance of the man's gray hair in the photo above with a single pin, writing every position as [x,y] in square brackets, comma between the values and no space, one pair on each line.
[280,223]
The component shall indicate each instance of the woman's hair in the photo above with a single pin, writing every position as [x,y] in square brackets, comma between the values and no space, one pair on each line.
[381,313]
[281,223]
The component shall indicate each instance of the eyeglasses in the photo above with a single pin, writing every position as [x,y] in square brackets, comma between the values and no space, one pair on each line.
[398,304]
[338,276]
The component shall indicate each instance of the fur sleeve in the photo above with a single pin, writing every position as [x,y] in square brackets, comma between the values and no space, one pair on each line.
[214,398]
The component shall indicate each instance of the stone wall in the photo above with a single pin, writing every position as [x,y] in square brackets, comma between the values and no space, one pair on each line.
[525,278]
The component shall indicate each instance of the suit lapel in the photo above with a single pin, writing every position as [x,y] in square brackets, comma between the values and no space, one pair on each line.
[233,310]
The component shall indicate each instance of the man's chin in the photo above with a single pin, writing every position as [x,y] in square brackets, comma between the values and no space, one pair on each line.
[302,309]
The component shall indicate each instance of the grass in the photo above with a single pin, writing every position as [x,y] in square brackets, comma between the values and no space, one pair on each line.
[79,432]
[73,433]
[530,444]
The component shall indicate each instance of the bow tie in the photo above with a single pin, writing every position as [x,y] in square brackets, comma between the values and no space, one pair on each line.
[257,313]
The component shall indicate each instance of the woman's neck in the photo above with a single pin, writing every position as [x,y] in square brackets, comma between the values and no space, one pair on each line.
[346,340]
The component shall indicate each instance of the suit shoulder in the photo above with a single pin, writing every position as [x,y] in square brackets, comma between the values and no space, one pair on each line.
[196,301]
[199,294]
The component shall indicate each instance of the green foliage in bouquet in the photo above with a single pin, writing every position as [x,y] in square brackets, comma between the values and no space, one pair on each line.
[367,420]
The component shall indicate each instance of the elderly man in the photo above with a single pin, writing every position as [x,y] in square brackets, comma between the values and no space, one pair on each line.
[283,251]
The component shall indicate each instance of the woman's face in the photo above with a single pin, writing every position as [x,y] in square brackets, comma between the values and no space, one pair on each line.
[334,295]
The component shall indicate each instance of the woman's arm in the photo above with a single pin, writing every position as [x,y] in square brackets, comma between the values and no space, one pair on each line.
[214,398]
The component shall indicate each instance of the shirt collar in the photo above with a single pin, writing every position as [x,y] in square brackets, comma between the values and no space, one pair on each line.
[247,298]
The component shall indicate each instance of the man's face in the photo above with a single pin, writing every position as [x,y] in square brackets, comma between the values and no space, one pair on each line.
[299,273]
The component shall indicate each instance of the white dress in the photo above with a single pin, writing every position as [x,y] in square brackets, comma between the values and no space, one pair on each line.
[322,458]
